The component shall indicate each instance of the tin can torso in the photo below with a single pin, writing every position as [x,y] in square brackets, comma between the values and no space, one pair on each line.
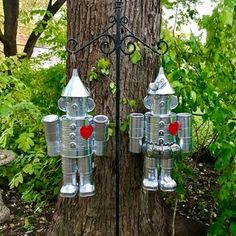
[73,144]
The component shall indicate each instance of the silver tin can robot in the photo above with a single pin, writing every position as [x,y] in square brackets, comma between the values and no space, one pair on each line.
[76,136]
[159,134]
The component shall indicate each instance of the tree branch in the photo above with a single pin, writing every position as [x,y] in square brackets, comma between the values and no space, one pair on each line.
[52,9]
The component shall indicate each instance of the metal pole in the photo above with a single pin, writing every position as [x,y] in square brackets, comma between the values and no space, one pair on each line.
[117,127]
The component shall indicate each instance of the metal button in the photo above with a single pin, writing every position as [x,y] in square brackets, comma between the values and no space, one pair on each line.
[74,106]
[73,145]
[162,103]
[161,141]
[161,124]
[73,126]
[161,132]
[72,136]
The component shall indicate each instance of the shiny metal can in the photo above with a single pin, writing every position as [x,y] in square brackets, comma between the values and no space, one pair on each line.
[136,132]
[156,128]
[101,123]
[52,134]
[185,131]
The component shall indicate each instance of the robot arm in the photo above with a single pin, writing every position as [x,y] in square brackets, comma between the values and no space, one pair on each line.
[136,132]
[101,134]
[52,134]
[185,132]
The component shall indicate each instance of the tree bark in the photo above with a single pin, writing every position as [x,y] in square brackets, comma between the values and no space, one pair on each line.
[11,13]
[141,212]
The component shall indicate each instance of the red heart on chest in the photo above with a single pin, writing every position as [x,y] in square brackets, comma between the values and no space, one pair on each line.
[173,128]
[86,131]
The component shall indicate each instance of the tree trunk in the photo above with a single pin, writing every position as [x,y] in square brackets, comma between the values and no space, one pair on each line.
[141,212]
[11,12]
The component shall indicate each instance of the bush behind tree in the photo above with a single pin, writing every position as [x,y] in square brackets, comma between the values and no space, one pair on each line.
[26,96]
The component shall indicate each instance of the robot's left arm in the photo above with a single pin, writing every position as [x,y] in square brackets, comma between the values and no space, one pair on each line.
[101,123]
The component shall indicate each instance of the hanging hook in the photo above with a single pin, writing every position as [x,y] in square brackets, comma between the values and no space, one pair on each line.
[73,60]
[161,59]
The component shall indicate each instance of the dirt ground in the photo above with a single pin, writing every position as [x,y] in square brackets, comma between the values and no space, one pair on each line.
[27,219]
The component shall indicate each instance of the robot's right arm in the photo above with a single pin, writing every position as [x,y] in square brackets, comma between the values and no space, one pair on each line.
[52,134]
[136,132]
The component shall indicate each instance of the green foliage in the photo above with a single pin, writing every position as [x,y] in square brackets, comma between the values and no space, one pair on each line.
[54,35]
[103,66]
[135,57]
[203,76]
[101,69]
[25,97]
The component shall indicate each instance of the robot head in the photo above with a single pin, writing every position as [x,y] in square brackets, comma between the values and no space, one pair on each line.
[76,100]
[160,98]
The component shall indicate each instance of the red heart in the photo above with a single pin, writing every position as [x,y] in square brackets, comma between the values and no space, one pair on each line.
[86,131]
[173,128]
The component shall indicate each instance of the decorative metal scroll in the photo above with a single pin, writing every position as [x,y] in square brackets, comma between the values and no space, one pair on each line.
[108,43]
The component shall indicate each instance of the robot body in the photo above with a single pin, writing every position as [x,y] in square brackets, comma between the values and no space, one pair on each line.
[155,134]
[76,136]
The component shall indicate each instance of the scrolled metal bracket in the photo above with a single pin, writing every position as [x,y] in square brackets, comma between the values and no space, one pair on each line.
[109,45]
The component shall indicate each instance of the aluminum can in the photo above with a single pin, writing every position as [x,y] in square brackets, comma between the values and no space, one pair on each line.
[185,131]
[136,132]
[101,134]
[52,133]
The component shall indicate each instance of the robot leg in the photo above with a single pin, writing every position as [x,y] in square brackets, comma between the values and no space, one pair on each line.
[69,170]
[150,179]
[85,167]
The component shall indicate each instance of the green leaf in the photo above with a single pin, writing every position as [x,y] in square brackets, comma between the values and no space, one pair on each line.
[232,228]
[193,95]
[227,17]
[28,169]
[124,126]
[113,87]
[132,103]
[110,132]
[103,64]
[18,178]
[92,75]
[25,141]
[135,57]
[176,84]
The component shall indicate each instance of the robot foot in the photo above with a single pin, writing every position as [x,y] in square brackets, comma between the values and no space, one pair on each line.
[68,190]
[150,185]
[87,190]
[167,185]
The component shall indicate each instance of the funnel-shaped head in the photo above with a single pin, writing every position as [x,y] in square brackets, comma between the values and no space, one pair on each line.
[161,85]
[75,88]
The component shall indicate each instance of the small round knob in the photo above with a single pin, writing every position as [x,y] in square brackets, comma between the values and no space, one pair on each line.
[161,124]
[162,103]
[72,136]
[161,132]
[73,145]
[73,126]
[161,141]
[74,106]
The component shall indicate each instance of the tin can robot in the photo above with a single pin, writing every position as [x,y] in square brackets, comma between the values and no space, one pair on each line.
[160,134]
[76,136]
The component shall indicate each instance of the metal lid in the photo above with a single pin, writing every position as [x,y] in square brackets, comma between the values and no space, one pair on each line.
[161,85]
[75,87]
